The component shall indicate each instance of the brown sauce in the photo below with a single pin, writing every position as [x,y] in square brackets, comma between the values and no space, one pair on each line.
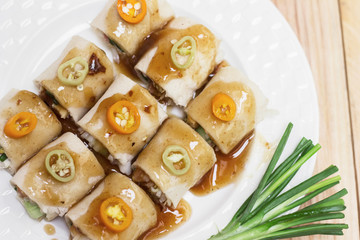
[162,69]
[126,67]
[226,169]
[105,163]
[47,98]
[95,66]
[119,143]
[217,68]
[168,220]
[49,229]
[127,64]
[39,183]
[68,125]
[96,82]
[147,108]
[149,43]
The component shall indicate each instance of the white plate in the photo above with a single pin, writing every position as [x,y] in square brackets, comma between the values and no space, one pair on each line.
[256,38]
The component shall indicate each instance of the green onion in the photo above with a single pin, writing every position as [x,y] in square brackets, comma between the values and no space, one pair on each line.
[3,157]
[32,209]
[52,97]
[264,215]
[145,77]
[204,135]
[112,42]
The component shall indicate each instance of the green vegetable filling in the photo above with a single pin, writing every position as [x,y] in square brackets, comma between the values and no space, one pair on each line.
[52,97]
[204,135]
[3,157]
[33,209]
[145,77]
[112,42]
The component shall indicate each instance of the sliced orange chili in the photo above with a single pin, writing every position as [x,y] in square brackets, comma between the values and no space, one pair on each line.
[115,214]
[20,125]
[132,11]
[223,107]
[123,117]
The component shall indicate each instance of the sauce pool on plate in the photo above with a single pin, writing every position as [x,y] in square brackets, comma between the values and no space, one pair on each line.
[49,229]
[226,169]
[168,220]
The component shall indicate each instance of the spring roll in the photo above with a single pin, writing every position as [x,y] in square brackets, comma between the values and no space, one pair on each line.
[127,37]
[122,147]
[71,89]
[190,155]
[180,82]
[249,103]
[84,219]
[15,151]
[51,190]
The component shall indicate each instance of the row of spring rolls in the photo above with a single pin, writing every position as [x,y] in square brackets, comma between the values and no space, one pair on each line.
[46,196]
[175,156]
[49,193]
[116,197]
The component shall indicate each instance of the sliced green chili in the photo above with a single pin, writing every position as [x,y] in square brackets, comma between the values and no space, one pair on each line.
[60,165]
[175,156]
[74,71]
[188,50]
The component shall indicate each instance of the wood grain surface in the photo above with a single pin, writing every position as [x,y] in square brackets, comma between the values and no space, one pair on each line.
[329,32]
[350,19]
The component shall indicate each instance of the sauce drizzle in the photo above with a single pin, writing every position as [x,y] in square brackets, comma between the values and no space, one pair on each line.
[168,220]
[49,229]
[226,169]
[95,66]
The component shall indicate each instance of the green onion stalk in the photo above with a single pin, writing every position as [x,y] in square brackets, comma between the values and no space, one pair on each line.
[269,211]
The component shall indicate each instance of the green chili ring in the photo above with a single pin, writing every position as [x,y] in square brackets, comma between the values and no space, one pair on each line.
[55,168]
[174,154]
[76,77]
[183,52]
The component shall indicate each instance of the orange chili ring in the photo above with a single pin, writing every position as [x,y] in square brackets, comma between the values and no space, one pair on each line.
[115,214]
[223,107]
[20,125]
[123,117]
[132,11]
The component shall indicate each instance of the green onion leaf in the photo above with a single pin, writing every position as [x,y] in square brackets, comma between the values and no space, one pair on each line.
[268,172]
[326,229]
[264,215]
[112,42]
[3,157]
[204,135]
[52,97]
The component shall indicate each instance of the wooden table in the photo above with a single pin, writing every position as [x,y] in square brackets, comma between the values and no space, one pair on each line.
[329,31]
